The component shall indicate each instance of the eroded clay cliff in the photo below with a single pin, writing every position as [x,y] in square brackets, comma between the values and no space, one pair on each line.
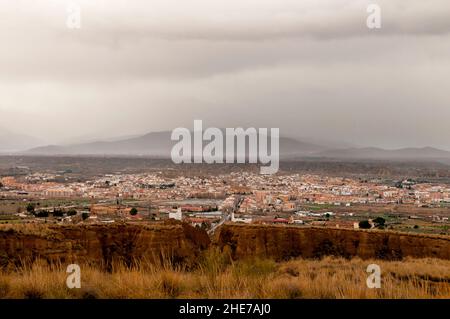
[102,244]
[283,243]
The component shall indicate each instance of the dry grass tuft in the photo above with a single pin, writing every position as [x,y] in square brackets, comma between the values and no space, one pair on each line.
[217,276]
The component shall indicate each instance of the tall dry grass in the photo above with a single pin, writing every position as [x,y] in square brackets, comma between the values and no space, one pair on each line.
[218,276]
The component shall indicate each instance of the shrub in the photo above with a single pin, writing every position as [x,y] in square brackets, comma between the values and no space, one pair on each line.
[42,214]
[133,211]
[58,213]
[364,224]
[379,221]
[30,208]
[71,212]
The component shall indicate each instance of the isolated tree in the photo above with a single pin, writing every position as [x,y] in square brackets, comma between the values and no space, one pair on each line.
[364,224]
[133,211]
[379,221]
[85,215]
[30,208]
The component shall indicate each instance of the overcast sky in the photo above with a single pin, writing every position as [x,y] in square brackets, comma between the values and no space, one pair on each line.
[311,68]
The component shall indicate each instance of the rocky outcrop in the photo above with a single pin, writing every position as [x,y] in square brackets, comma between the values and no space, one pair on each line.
[102,244]
[281,243]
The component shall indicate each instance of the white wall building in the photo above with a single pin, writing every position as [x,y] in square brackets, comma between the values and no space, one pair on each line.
[177,215]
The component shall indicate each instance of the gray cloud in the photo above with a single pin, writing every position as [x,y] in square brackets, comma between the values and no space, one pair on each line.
[311,68]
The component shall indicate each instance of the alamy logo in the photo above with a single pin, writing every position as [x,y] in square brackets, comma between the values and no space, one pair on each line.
[374,279]
[231,149]
[74,279]
[74,16]
[374,19]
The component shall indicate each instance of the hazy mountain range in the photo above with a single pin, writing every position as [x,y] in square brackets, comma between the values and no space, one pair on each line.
[154,144]
[158,144]
[379,153]
[13,142]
